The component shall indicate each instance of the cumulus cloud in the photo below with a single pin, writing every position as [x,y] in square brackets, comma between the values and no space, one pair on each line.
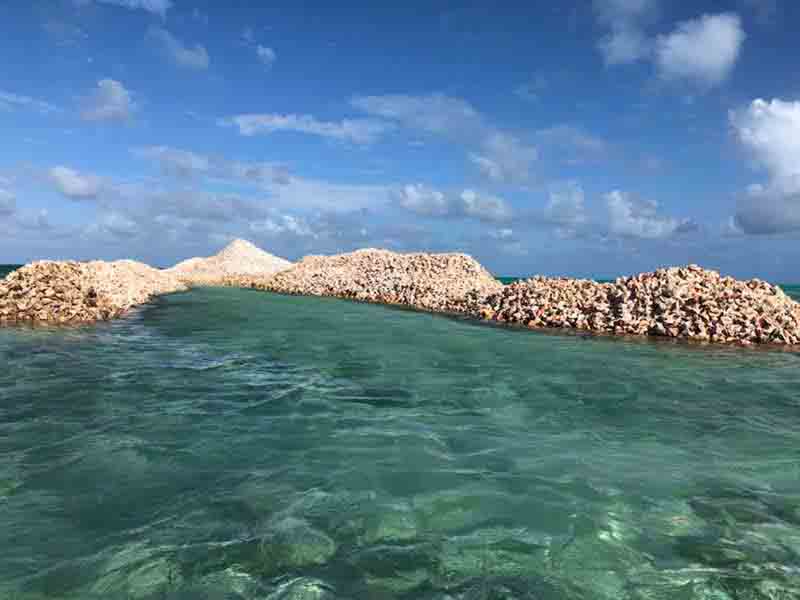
[190,57]
[470,204]
[498,155]
[702,50]
[9,101]
[266,55]
[770,209]
[770,132]
[111,101]
[629,217]
[73,184]
[157,7]
[357,131]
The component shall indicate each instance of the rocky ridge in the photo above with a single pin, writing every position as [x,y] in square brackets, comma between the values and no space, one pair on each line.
[679,302]
[240,258]
[60,292]
[434,282]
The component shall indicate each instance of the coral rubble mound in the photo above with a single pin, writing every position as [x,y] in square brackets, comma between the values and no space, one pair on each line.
[74,292]
[239,259]
[435,282]
[679,302]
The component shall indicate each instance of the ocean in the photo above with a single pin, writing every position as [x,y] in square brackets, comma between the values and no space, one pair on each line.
[228,443]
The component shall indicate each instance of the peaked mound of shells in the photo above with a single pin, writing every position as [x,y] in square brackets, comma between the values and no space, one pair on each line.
[436,282]
[679,302]
[73,292]
[240,258]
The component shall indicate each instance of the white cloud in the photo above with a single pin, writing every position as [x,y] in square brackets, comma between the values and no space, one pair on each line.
[566,209]
[282,224]
[157,7]
[484,207]
[9,101]
[357,131]
[770,131]
[109,102]
[266,55]
[112,226]
[505,159]
[702,50]
[423,200]
[190,57]
[74,185]
[626,41]
[498,155]
[624,46]
[429,202]
[434,113]
[632,218]
[578,145]
[770,209]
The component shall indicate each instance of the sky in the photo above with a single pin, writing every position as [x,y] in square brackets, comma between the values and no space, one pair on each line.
[581,137]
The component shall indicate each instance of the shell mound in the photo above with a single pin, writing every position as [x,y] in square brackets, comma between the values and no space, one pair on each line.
[435,282]
[240,258]
[678,302]
[75,292]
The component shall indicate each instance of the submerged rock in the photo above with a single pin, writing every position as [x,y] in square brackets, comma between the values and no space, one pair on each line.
[303,588]
[137,572]
[396,569]
[294,543]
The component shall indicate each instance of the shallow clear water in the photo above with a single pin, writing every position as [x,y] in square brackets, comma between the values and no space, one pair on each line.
[234,444]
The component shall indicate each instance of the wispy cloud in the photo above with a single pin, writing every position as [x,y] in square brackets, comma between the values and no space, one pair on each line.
[110,101]
[499,155]
[357,131]
[10,101]
[156,7]
[190,57]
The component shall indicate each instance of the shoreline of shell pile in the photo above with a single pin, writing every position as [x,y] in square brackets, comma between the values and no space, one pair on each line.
[678,302]
[689,302]
[432,282]
[65,292]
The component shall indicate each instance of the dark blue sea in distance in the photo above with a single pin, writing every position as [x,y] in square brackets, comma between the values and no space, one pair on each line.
[233,444]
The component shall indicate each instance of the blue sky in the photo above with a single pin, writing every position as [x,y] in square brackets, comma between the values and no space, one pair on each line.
[590,138]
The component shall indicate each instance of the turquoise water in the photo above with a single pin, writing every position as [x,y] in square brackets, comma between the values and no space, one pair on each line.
[227,444]
[6,269]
